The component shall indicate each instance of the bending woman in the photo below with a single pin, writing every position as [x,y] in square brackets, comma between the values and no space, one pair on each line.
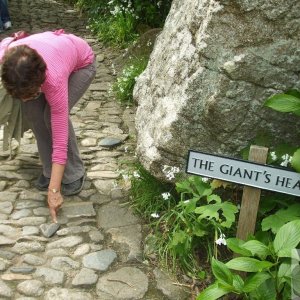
[49,72]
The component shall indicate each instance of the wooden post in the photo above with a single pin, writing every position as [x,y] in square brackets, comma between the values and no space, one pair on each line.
[251,198]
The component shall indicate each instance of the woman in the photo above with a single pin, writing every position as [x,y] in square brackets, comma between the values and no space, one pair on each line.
[49,72]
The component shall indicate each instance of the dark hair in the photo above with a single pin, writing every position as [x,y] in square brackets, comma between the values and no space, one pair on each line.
[23,71]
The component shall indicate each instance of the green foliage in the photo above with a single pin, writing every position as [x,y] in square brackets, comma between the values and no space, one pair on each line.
[116,31]
[117,22]
[284,215]
[123,87]
[186,221]
[271,273]
[288,103]
[146,193]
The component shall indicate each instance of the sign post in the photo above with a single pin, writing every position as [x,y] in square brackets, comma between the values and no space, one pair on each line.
[250,198]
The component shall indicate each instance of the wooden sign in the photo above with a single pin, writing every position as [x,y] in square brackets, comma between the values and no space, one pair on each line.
[244,172]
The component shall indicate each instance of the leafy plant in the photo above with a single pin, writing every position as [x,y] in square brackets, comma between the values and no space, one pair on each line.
[146,194]
[118,22]
[123,87]
[273,276]
[191,224]
[289,103]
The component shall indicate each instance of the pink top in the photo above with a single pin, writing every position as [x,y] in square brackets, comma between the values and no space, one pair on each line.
[63,54]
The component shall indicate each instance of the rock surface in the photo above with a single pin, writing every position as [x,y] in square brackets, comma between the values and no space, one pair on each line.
[210,72]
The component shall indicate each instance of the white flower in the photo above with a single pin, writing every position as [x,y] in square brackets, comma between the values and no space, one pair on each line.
[221,240]
[273,155]
[170,171]
[186,201]
[136,174]
[205,179]
[166,196]
[286,159]
[155,215]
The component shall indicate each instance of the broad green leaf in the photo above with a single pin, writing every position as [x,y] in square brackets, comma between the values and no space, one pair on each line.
[224,213]
[285,252]
[266,291]
[238,283]
[248,264]
[288,236]
[221,272]
[281,217]
[283,103]
[284,274]
[254,281]
[213,292]
[235,245]
[257,248]
[294,93]
[296,160]
[297,112]
[296,280]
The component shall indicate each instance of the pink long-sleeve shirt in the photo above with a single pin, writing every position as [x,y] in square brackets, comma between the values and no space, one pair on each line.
[63,55]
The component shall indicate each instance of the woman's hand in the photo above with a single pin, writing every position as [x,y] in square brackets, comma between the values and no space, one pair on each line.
[55,201]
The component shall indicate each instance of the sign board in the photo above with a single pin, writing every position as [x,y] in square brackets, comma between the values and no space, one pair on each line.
[244,172]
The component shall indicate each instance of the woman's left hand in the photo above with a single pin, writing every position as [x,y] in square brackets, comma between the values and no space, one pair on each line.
[55,201]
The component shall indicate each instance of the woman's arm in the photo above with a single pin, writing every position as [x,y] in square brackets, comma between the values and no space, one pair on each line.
[55,198]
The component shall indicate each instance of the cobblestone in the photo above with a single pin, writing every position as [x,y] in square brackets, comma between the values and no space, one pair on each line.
[96,253]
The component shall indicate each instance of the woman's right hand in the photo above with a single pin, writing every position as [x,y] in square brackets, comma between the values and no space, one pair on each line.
[55,201]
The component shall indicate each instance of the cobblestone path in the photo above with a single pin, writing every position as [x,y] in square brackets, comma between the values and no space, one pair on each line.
[97,251]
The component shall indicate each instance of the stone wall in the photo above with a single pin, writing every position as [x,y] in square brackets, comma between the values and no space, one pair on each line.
[212,67]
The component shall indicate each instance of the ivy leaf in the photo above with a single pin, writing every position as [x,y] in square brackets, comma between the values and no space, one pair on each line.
[283,103]
[287,238]
[215,198]
[218,211]
[296,160]
[248,264]
[179,237]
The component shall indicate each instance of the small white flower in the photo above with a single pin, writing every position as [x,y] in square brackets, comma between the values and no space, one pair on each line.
[205,179]
[221,240]
[136,174]
[286,160]
[273,155]
[155,215]
[166,196]
[186,201]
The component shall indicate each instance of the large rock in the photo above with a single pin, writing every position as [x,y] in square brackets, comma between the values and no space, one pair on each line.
[212,67]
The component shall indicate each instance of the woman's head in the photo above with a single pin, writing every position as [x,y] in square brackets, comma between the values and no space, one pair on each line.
[23,72]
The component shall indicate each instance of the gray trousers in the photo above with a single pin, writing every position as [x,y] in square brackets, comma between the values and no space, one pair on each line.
[38,114]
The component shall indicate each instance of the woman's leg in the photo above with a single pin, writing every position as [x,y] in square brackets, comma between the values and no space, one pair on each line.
[79,82]
[34,111]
